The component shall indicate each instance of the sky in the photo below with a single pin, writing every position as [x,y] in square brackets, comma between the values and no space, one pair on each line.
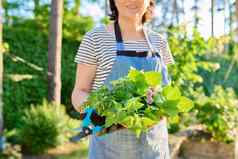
[204,25]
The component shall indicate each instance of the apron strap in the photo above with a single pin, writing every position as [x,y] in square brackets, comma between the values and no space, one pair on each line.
[119,40]
[160,65]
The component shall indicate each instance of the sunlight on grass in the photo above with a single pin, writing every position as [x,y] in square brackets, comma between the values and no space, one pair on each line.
[21,60]
[19,77]
[75,151]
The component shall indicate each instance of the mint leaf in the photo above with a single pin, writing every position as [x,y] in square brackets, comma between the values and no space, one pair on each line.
[128,121]
[147,121]
[133,104]
[121,115]
[110,120]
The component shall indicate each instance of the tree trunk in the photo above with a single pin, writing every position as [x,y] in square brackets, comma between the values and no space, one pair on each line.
[224,12]
[212,18]
[230,18]
[237,19]
[106,7]
[196,18]
[54,54]
[175,12]
[183,9]
[1,71]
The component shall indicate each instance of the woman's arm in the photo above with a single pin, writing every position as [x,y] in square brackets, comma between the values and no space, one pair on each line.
[83,83]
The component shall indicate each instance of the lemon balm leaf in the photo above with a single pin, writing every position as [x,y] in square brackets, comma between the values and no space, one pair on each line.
[171,93]
[153,78]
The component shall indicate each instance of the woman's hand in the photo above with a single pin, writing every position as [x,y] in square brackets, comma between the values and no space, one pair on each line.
[78,98]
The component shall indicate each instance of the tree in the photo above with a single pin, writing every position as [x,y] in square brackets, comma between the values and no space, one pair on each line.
[236,19]
[196,8]
[36,7]
[172,12]
[1,71]
[54,54]
[212,17]
[106,7]
[175,11]
[234,59]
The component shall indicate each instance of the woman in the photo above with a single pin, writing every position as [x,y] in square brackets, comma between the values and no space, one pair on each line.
[106,53]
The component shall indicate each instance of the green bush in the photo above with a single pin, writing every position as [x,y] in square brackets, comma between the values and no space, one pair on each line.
[187,51]
[43,127]
[218,113]
[200,66]
[218,77]
[25,65]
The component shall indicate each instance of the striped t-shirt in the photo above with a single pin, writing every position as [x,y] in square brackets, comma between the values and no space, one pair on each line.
[98,47]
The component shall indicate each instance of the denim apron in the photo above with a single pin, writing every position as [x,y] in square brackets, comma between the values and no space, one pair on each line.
[123,144]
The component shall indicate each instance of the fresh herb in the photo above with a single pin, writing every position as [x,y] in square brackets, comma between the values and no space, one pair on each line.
[138,101]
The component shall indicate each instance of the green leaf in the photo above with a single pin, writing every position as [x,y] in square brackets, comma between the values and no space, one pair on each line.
[134,74]
[185,104]
[147,121]
[121,115]
[173,119]
[150,113]
[153,78]
[139,79]
[171,93]
[138,132]
[158,99]
[128,121]
[170,107]
[110,120]
[138,121]
[133,104]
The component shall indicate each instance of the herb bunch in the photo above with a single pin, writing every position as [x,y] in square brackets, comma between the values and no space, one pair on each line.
[138,101]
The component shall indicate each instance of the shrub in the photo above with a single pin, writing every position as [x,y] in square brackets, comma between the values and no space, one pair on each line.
[43,127]
[218,113]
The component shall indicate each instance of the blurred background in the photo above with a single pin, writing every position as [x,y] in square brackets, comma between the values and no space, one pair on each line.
[39,39]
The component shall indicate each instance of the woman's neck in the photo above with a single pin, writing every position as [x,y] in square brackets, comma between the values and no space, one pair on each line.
[131,29]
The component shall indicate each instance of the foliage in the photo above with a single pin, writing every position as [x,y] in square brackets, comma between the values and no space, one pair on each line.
[200,66]
[43,127]
[25,66]
[76,25]
[218,77]
[219,113]
[138,101]
[188,52]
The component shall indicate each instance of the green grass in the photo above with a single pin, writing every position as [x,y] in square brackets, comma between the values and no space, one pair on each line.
[80,153]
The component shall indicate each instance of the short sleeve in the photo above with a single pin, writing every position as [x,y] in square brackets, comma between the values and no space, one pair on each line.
[86,51]
[166,53]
